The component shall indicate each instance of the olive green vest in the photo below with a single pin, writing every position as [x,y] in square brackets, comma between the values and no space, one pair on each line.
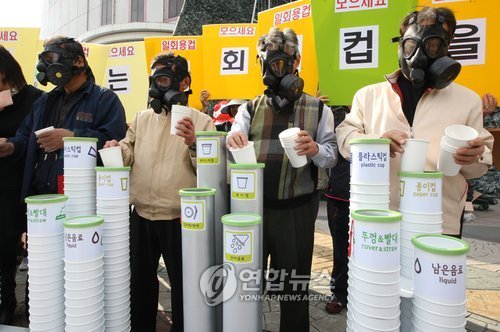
[281,180]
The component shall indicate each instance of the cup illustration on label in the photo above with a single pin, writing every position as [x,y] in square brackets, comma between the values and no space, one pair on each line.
[206,148]
[124,184]
[242,182]
[92,152]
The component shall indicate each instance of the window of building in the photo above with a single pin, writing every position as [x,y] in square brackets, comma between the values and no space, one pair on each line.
[171,9]
[107,12]
[137,10]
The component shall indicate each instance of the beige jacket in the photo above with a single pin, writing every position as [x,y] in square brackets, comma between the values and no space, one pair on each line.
[377,109]
[161,163]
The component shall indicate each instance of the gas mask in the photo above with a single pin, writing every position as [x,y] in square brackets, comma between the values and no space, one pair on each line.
[423,56]
[164,87]
[55,65]
[284,87]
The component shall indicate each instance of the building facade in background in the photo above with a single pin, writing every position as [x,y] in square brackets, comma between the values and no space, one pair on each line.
[109,21]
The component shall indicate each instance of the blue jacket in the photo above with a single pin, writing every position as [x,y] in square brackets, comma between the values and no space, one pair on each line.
[98,113]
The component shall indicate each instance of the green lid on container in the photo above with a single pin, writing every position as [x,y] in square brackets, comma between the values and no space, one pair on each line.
[83,221]
[210,133]
[241,219]
[46,199]
[376,215]
[197,192]
[247,166]
[423,242]
[422,175]
[370,141]
[112,169]
[80,139]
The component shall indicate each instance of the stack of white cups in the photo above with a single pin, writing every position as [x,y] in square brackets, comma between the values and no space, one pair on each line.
[287,138]
[46,267]
[84,276]
[79,175]
[455,136]
[113,206]
[439,297]
[373,300]
[370,166]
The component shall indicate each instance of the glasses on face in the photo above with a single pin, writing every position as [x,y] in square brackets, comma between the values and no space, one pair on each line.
[431,46]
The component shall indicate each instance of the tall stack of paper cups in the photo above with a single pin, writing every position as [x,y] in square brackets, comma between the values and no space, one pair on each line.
[373,300]
[242,310]
[113,206]
[84,277]
[45,214]
[439,297]
[80,155]
[198,224]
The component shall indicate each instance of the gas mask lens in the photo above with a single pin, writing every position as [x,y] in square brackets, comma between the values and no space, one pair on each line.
[278,67]
[163,82]
[50,57]
[432,46]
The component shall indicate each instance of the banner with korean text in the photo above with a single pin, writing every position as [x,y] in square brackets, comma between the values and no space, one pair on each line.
[230,66]
[296,16]
[189,47]
[354,43]
[22,43]
[96,55]
[127,76]
[474,45]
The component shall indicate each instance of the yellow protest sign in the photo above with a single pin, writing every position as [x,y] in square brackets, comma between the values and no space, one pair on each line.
[296,16]
[190,48]
[127,76]
[474,45]
[22,43]
[230,66]
[96,54]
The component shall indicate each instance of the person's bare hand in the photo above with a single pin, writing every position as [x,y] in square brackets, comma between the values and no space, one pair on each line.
[110,144]
[6,148]
[489,104]
[398,139]
[470,154]
[204,95]
[306,145]
[185,129]
[237,140]
[53,140]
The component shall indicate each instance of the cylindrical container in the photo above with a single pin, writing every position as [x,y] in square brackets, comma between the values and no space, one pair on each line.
[247,188]
[439,268]
[112,182]
[45,214]
[197,217]
[244,155]
[83,238]
[414,156]
[242,308]
[80,152]
[370,160]
[375,239]
[421,191]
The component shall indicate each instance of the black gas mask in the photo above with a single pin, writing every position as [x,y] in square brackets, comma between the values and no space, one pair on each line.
[284,87]
[55,65]
[164,87]
[423,56]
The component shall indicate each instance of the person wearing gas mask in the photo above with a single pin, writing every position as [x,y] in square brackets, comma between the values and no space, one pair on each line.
[419,101]
[75,107]
[162,164]
[290,196]
[16,100]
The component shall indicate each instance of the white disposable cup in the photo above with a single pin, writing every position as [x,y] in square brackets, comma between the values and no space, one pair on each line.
[82,206]
[112,157]
[42,293]
[90,321]
[113,209]
[81,199]
[440,268]
[117,279]
[370,160]
[47,239]
[84,310]
[422,228]
[53,255]
[370,198]
[118,250]
[81,283]
[80,293]
[371,323]
[458,136]
[48,323]
[446,162]
[117,238]
[118,315]
[421,216]
[42,248]
[84,301]
[244,155]
[122,245]
[41,309]
[87,186]
[80,152]
[109,202]
[79,171]
[375,299]
[45,214]
[371,287]
[375,310]
[358,205]
[77,179]
[118,325]
[178,113]
[374,275]
[83,275]
[442,308]
[288,136]
[414,156]
[84,265]
[295,160]
[122,258]
[46,301]
[112,228]
[111,217]
[44,130]
[117,307]
[421,191]
[437,317]
[370,188]
[42,272]
[113,182]
[115,289]
[428,326]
